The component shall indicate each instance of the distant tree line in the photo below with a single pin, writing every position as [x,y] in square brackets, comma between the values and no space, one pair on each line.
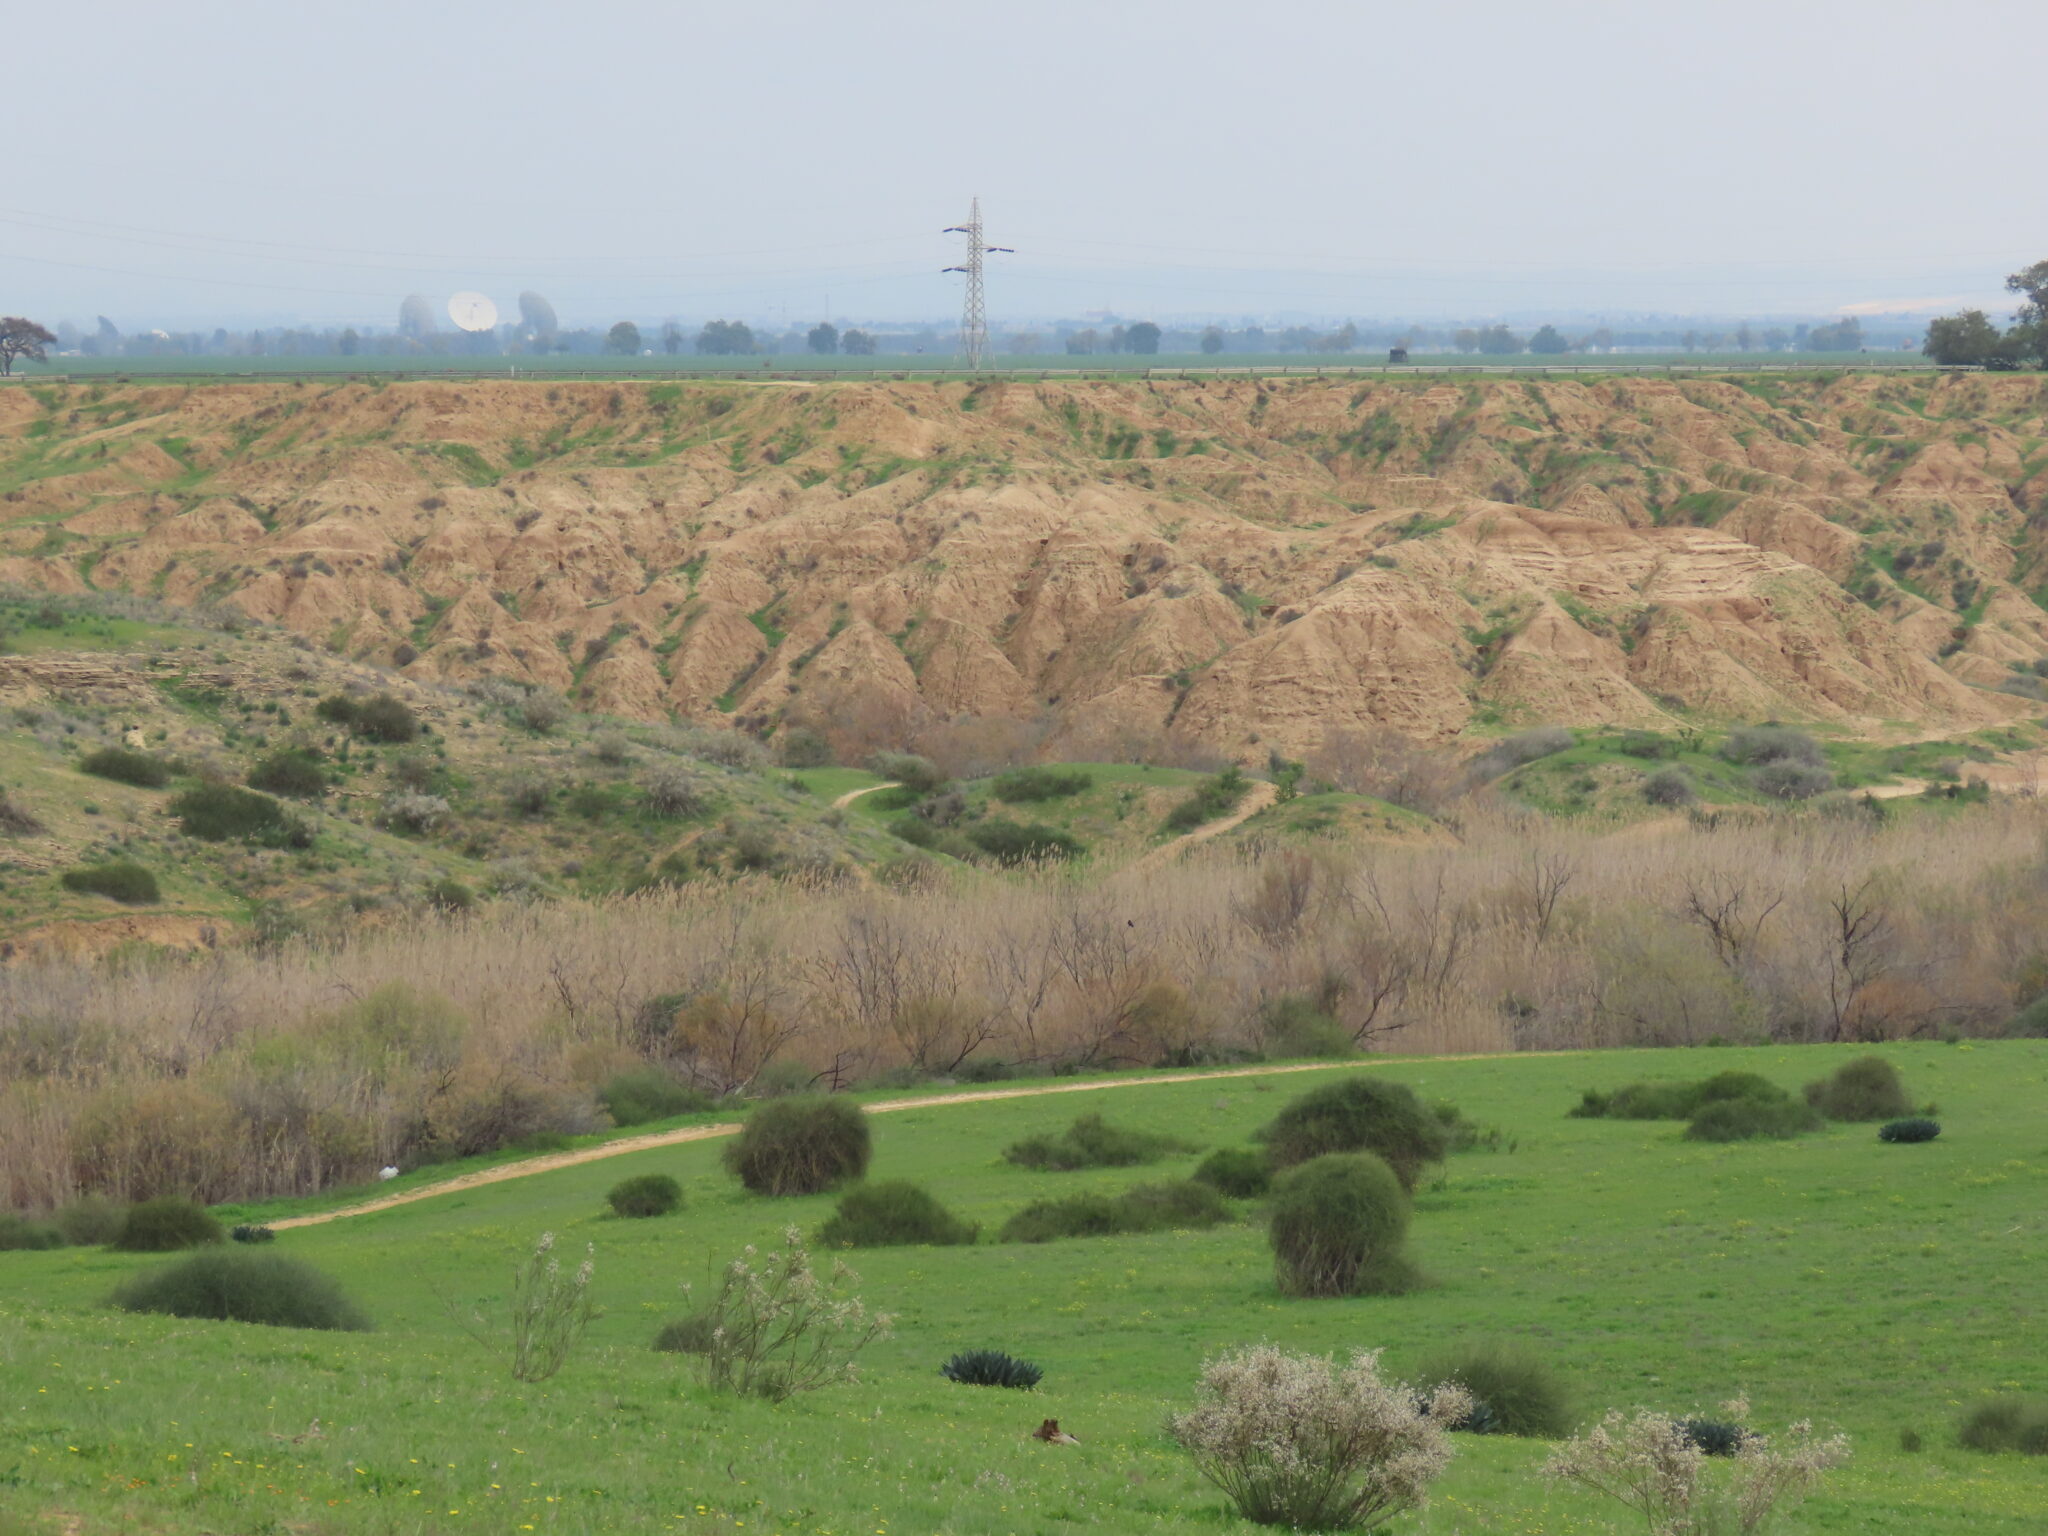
[1971,339]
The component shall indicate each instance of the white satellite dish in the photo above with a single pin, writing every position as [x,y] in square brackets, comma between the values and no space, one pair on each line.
[472,312]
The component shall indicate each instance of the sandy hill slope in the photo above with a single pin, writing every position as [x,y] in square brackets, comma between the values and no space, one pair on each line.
[1246,564]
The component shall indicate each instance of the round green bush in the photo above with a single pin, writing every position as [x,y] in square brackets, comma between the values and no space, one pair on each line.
[802,1145]
[646,1093]
[243,1285]
[893,1214]
[1172,1206]
[1514,1390]
[1911,1130]
[221,813]
[125,767]
[1867,1088]
[1010,842]
[1024,786]
[294,774]
[1238,1171]
[123,881]
[646,1194]
[687,1335]
[1091,1142]
[165,1225]
[1075,1216]
[384,718]
[1337,1226]
[91,1220]
[1751,1120]
[1359,1114]
[2009,1423]
[18,1234]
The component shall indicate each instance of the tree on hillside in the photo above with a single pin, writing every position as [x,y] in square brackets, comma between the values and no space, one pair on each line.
[726,338]
[1842,336]
[823,337]
[623,339]
[2028,339]
[1142,337]
[1965,340]
[857,344]
[1212,341]
[1548,341]
[1499,341]
[21,338]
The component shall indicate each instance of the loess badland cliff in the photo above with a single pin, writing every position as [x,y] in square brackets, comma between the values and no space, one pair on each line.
[1243,564]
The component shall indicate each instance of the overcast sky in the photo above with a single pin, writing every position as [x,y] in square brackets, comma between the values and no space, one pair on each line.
[216,161]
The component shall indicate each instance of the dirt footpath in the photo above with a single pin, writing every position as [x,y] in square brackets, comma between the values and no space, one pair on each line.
[549,1162]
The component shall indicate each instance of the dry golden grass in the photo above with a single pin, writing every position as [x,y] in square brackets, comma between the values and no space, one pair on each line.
[249,1073]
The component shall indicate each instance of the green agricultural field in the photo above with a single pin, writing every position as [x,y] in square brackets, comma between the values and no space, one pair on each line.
[1875,1288]
[884,366]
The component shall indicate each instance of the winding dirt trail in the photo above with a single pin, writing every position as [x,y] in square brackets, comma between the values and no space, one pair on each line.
[1256,799]
[549,1162]
[854,794]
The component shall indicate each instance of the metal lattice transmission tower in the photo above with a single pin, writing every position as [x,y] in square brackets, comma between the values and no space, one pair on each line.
[974,309]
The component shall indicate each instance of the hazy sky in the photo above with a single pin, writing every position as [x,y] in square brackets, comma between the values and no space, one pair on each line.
[219,161]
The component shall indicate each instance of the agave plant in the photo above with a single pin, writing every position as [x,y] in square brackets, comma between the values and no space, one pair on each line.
[991,1368]
[1908,1130]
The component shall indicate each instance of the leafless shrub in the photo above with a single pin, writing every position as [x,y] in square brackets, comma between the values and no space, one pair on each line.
[544,712]
[15,818]
[413,812]
[1788,926]
[673,790]
[1388,766]
[611,747]
[728,749]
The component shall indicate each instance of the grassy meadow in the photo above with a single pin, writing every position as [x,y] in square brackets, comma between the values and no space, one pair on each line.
[1875,1288]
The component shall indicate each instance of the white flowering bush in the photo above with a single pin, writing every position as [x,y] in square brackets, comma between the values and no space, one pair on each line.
[1294,1440]
[1649,1462]
[546,1316]
[777,1327]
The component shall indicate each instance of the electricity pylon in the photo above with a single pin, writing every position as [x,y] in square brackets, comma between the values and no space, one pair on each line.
[974,311]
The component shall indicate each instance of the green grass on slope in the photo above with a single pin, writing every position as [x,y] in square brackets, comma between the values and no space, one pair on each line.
[1873,1287]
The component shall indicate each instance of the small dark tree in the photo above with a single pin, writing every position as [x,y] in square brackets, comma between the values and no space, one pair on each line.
[22,338]
[1142,338]
[623,339]
[1965,340]
[1212,341]
[857,344]
[823,338]
[1548,341]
